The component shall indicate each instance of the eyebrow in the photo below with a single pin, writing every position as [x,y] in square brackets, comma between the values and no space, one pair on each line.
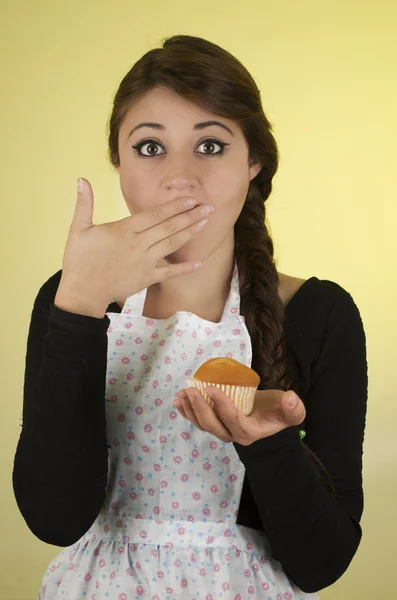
[197,126]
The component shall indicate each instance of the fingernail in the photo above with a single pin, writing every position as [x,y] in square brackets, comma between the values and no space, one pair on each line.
[80,185]
[292,400]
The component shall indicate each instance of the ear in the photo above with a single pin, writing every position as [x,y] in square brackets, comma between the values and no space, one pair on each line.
[254,170]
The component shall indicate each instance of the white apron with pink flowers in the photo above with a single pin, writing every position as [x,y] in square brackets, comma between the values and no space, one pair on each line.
[167,530]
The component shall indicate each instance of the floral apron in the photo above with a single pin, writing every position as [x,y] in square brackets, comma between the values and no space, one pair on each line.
[167,530]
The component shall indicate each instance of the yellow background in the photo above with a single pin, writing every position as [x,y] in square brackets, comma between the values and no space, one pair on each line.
[327,74]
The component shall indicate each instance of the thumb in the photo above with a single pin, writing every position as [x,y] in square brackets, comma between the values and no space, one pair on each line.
[84,209]
[293,408]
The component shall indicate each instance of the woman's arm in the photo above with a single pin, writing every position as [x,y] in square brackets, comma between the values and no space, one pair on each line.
[61,461]
[313,533]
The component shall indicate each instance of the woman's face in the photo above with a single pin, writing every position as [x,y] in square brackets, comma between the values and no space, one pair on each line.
[178,160]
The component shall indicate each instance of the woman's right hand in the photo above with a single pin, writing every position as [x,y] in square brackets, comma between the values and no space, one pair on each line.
[118,259]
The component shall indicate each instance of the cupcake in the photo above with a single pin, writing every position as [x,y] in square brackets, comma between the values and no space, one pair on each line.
[235,379]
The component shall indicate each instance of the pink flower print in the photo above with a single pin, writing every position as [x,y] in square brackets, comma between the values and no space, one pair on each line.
[127,460]
[194,334]
[225,586]
[227,533]
[242,346]
[157,467]
[96,552]
[209,597]
[184,583]
[169,327]
[217,567]
[148,369]
[196,496]
[279,597]
[71,556]
[213,445]
[199,351]
[287,596]
[106,529]
[179,332]
[177,563]
[125,360]
[250,546]
[192,557]
[156,510]
[226,460]
[217,343]
[138,476]
[234,310]
[214,489]
[119,342]
[129,572]
[206,512]
[151,491]
[139,410]
[188,373]
[145,449]
[164,483]
[163,439]
[139,590]
[237,597]
[185,435]
[119,523]
[121,417]
[168,360]
[122,483]
[251,589]
[126,539]
[88,577]
[133,547]
[158,402]
[154,552]
[155,383]
[154,336]
[168,378]
[202,572]
[122,597]
[138,340]
[148,428]
[138,565]
[175,504]
[185,478]
[208,330]
[177,460]
[160,574]
[173,415]
[181,530]
[143,534]
[113,399]
[170,590]
[183,356]
[112,381]
[133,495]
[128,325]
[207,466]
[71,567]
[229,354]
[114,505]
[209,539]
[137,388]
[195,453]
[102,563]
[131,435]
[223,504]
[191,519]
[232,477]
[116,443]
[149,322]
[255,566]
[236,331]
[162,343]
[143,357]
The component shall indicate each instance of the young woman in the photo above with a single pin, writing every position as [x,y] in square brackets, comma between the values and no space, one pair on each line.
[155,494]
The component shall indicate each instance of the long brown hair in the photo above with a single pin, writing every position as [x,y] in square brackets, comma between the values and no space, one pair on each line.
[212,78]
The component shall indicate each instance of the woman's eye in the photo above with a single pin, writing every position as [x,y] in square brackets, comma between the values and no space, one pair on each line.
[151,148]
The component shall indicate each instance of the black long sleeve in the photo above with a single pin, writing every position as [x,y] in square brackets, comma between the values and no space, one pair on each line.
[313,533]
[60,469]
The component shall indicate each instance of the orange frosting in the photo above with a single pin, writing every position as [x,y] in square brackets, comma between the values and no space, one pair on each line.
[228,372]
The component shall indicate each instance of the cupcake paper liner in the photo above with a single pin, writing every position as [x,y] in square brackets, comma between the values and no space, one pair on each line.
[242,397]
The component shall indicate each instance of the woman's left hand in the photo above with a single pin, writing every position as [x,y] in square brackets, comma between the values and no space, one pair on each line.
[273,411]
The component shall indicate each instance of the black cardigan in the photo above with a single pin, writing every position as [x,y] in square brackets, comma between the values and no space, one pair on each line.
[61,462]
